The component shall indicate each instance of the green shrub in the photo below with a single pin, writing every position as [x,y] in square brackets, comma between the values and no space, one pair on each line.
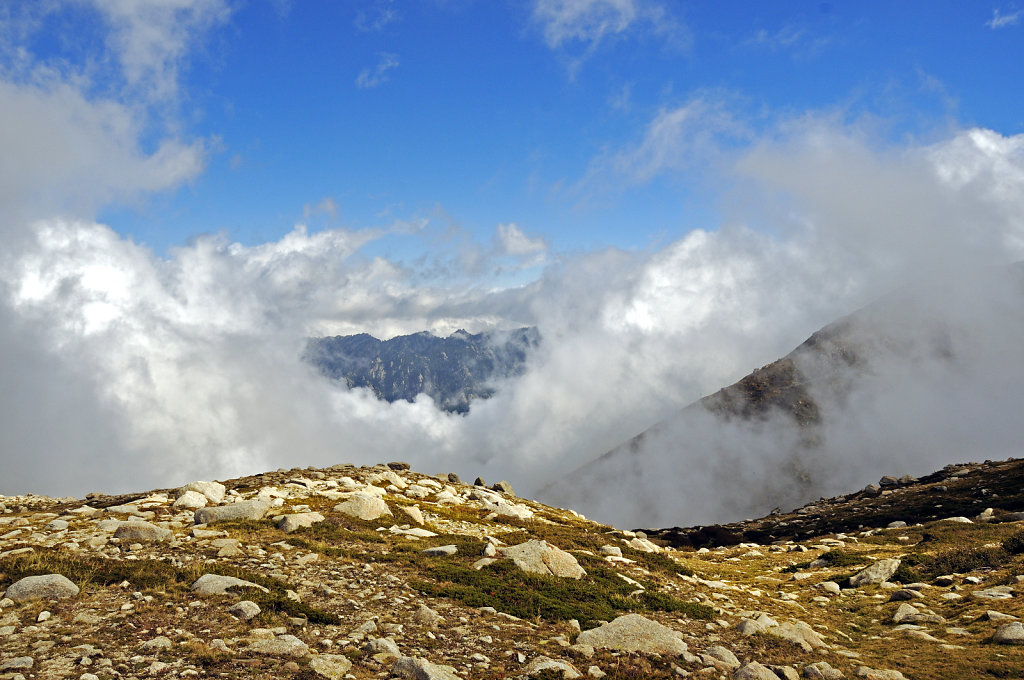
[1014,544]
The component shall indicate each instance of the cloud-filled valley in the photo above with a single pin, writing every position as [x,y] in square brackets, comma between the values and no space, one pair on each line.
[131,369]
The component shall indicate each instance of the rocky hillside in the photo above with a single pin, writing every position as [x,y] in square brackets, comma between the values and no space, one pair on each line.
[381,572]
[452,371]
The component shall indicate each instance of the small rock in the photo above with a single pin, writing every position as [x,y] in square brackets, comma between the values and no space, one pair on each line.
[215,584]
[441,551]
[282,645]
[879,572]
[214,491]
[412,512]
[364,506]
[538,557]
[754,671]
[634,633]
[421,669]
[504,487]
[296,521]
[245,610]
[542,663]
[255,509]
[331,666]
[134,531]
[821,670]
[425,616]
[18,663]
[191,500]
[47,587]
[1009,634]
[724,655]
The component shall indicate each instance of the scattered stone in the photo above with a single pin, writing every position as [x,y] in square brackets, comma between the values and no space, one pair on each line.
[142,532]
[539,557]
[999,616]
[299,520]
[255,509]
[754,671]
[412,512]
[421,669]
[191,500]
[214,491]
[1009,634]
[904,594]
[441,551]
[47,587]
[799,633]
[18,663]
[994,593]
[427,617]
[215,584]
[542,663]
[723,655]
[504,487]
[331,666]
[821,670]
[157,644]
[634,633]
[398,465]
[879,572]
[364,506]
[282,645]
[245,610]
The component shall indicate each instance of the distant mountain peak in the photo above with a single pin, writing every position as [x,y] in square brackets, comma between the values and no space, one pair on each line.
[453,371]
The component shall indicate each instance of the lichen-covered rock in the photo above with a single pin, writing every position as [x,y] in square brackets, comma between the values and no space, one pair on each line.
[879,572]
[420,669]
[330,666]
[45,587]
[296,521]
[634,633]
[254,509]
[364,506]
[282,645]
[215,584]
[1009,634]
[540,557]
[542,663]
[191,500]
[142,532]
[214,491]
[754,671]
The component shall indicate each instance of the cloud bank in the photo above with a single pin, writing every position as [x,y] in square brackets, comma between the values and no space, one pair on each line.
[124,369]
[131,370]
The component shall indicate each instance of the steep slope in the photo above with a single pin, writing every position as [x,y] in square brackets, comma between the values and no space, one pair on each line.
[452,371]
[375,572]
[902,385]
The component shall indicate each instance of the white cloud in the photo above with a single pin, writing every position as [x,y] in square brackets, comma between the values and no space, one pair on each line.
[64,152]
[326,206]
[153,38]
[515,242]
[378,75]
[589,23]
[677,139]
[1000,20]
[380,14]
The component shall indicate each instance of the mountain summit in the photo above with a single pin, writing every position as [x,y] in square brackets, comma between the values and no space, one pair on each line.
[453,371]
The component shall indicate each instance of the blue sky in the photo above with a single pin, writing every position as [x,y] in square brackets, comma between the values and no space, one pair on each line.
[474,114]
[673,192]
